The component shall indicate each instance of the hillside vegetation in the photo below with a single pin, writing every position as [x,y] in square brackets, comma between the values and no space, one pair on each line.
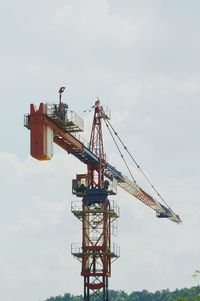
[185,294]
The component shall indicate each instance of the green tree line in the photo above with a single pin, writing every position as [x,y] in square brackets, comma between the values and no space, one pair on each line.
[185,294]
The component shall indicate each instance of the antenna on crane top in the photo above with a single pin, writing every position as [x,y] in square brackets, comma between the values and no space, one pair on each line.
[61,90]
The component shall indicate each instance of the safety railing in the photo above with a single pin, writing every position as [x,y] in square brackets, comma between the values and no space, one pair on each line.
[77,250]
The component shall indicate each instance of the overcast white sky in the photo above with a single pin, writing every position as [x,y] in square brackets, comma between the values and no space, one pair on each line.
[142,59]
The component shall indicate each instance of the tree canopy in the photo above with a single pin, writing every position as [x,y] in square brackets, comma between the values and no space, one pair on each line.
[185,294]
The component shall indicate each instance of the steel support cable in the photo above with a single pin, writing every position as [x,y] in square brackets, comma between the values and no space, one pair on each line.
[120,152]
[137,165]
[123,156]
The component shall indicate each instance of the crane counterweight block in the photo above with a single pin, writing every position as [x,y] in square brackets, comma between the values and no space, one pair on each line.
[44,130]
[41,135]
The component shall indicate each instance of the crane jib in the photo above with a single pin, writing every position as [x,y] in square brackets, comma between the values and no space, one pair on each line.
[136,192]
[140,194]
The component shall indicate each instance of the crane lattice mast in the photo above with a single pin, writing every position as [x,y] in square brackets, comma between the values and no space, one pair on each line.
[97,215]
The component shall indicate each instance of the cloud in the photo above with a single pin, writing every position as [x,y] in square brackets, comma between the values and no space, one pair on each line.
[141,60]
[39,230]
[93,23]
[35,223]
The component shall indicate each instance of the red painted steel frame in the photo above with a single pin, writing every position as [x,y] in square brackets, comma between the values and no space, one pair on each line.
[96,260]
[96,171]
[96,219]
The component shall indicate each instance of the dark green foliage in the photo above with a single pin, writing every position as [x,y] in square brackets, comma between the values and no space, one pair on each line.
[185,294]
[66,297]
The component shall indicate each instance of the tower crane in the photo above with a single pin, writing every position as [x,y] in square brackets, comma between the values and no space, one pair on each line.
[55,123]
